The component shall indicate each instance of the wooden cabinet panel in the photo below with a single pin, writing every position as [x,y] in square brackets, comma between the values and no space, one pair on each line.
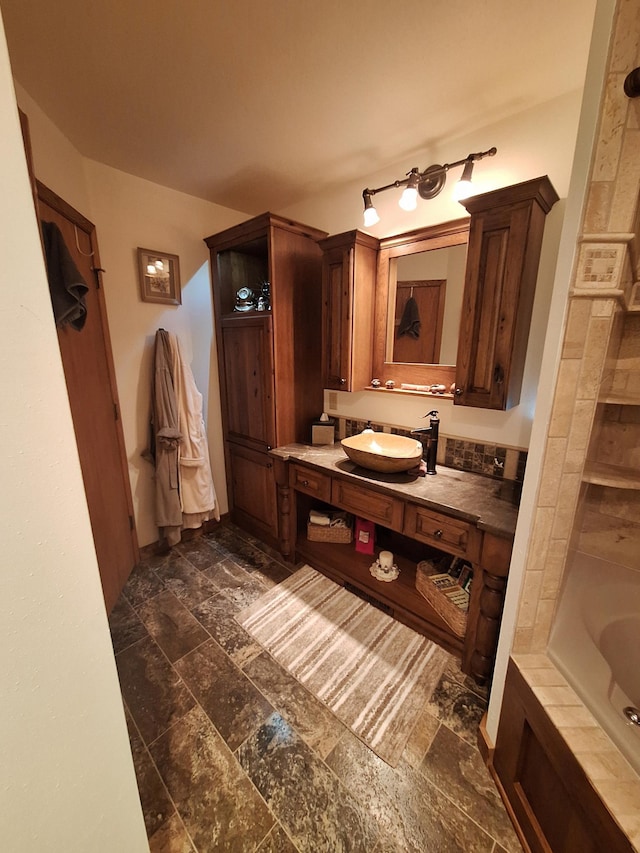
[441,531]
[374,506]
[496,554]
[253,490]
[349,277]
[553,802]
[248,370]
[311,482]
[505,239]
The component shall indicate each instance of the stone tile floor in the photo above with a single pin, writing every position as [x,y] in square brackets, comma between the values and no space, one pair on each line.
[232,754]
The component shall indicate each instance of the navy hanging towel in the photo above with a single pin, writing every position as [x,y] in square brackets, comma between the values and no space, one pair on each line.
[410,322]
[66,285]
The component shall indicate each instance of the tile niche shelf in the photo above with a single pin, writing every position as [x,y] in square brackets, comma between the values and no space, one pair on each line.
[609,474]
[614,476]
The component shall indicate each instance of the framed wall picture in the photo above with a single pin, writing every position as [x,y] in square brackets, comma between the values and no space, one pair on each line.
[159,274]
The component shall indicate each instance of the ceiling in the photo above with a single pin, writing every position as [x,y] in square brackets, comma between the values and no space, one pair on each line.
[258,104]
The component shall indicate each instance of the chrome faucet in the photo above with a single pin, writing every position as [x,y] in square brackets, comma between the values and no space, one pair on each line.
[430,446]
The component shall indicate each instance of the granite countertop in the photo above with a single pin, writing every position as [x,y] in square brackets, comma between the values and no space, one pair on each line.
[468,496]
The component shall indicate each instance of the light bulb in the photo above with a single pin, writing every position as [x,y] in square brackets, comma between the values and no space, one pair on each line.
[370,216]
[464,188]
[409,199]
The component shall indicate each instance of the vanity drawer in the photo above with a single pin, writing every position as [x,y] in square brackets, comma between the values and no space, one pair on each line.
[449,534]
[368,504]
[311,482]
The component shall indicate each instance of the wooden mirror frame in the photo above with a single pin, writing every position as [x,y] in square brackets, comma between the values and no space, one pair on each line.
[454,233]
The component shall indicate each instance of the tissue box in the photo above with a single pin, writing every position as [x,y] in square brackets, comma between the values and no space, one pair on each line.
[323,432]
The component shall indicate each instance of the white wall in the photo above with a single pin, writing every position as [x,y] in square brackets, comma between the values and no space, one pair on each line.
[128,213]
[66,773]
[536,142]
[59,164]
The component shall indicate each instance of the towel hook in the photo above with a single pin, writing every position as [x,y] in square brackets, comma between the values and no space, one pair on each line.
[86,254]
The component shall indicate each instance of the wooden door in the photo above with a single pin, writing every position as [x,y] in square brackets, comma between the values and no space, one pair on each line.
[429,297]
[90,378]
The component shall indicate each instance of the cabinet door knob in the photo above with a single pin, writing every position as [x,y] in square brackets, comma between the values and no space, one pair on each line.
[438,534]
[305,482]
[459,392]
[343,381]
[498,375]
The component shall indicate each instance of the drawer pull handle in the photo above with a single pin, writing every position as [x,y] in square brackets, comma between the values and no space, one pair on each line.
[305,482]
[438,534]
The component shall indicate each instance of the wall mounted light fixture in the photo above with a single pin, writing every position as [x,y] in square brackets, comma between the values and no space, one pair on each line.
[427,184]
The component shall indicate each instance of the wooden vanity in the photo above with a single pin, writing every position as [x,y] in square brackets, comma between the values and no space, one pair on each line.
[417,518]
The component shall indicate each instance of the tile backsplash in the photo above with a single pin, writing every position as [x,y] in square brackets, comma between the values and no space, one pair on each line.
[490,460]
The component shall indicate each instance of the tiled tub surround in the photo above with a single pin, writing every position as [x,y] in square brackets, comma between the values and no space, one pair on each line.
[600,361]
[578,507]
[232,754]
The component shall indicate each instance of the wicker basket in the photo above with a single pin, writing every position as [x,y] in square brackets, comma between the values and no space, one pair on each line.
[325,533]
[454,616]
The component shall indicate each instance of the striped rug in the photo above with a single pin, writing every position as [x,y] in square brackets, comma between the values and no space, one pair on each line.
[372,672]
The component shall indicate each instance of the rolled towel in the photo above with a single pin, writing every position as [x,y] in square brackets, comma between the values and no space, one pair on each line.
[316,517]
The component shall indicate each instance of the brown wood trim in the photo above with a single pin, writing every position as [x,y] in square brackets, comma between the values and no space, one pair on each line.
[26,141]
[425,238]
[57,203]
[441,236]
[507,805]
[256,226]
[485,745]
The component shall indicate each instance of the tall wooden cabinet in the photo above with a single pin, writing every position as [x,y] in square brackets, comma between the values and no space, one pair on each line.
[505,239]
[269,359]
[349,279]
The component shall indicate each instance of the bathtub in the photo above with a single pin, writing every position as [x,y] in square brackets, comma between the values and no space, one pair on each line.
[595,643]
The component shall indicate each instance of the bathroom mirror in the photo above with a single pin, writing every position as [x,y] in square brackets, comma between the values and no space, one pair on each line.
[419,289]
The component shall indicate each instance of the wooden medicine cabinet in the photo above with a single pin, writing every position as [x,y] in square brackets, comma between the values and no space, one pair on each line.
[474,282]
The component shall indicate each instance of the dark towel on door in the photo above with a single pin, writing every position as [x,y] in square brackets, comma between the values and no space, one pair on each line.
[410,321]
[66,285]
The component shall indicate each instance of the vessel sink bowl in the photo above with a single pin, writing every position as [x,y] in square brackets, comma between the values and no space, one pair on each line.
[383,451]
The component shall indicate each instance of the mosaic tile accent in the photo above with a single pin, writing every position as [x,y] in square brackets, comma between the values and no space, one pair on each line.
[487,459]
[521,465]
[599,265]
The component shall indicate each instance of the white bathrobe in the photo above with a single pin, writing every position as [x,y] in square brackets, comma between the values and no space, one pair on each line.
[195,484]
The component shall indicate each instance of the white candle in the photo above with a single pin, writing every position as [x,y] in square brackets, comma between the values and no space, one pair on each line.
[386,560]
